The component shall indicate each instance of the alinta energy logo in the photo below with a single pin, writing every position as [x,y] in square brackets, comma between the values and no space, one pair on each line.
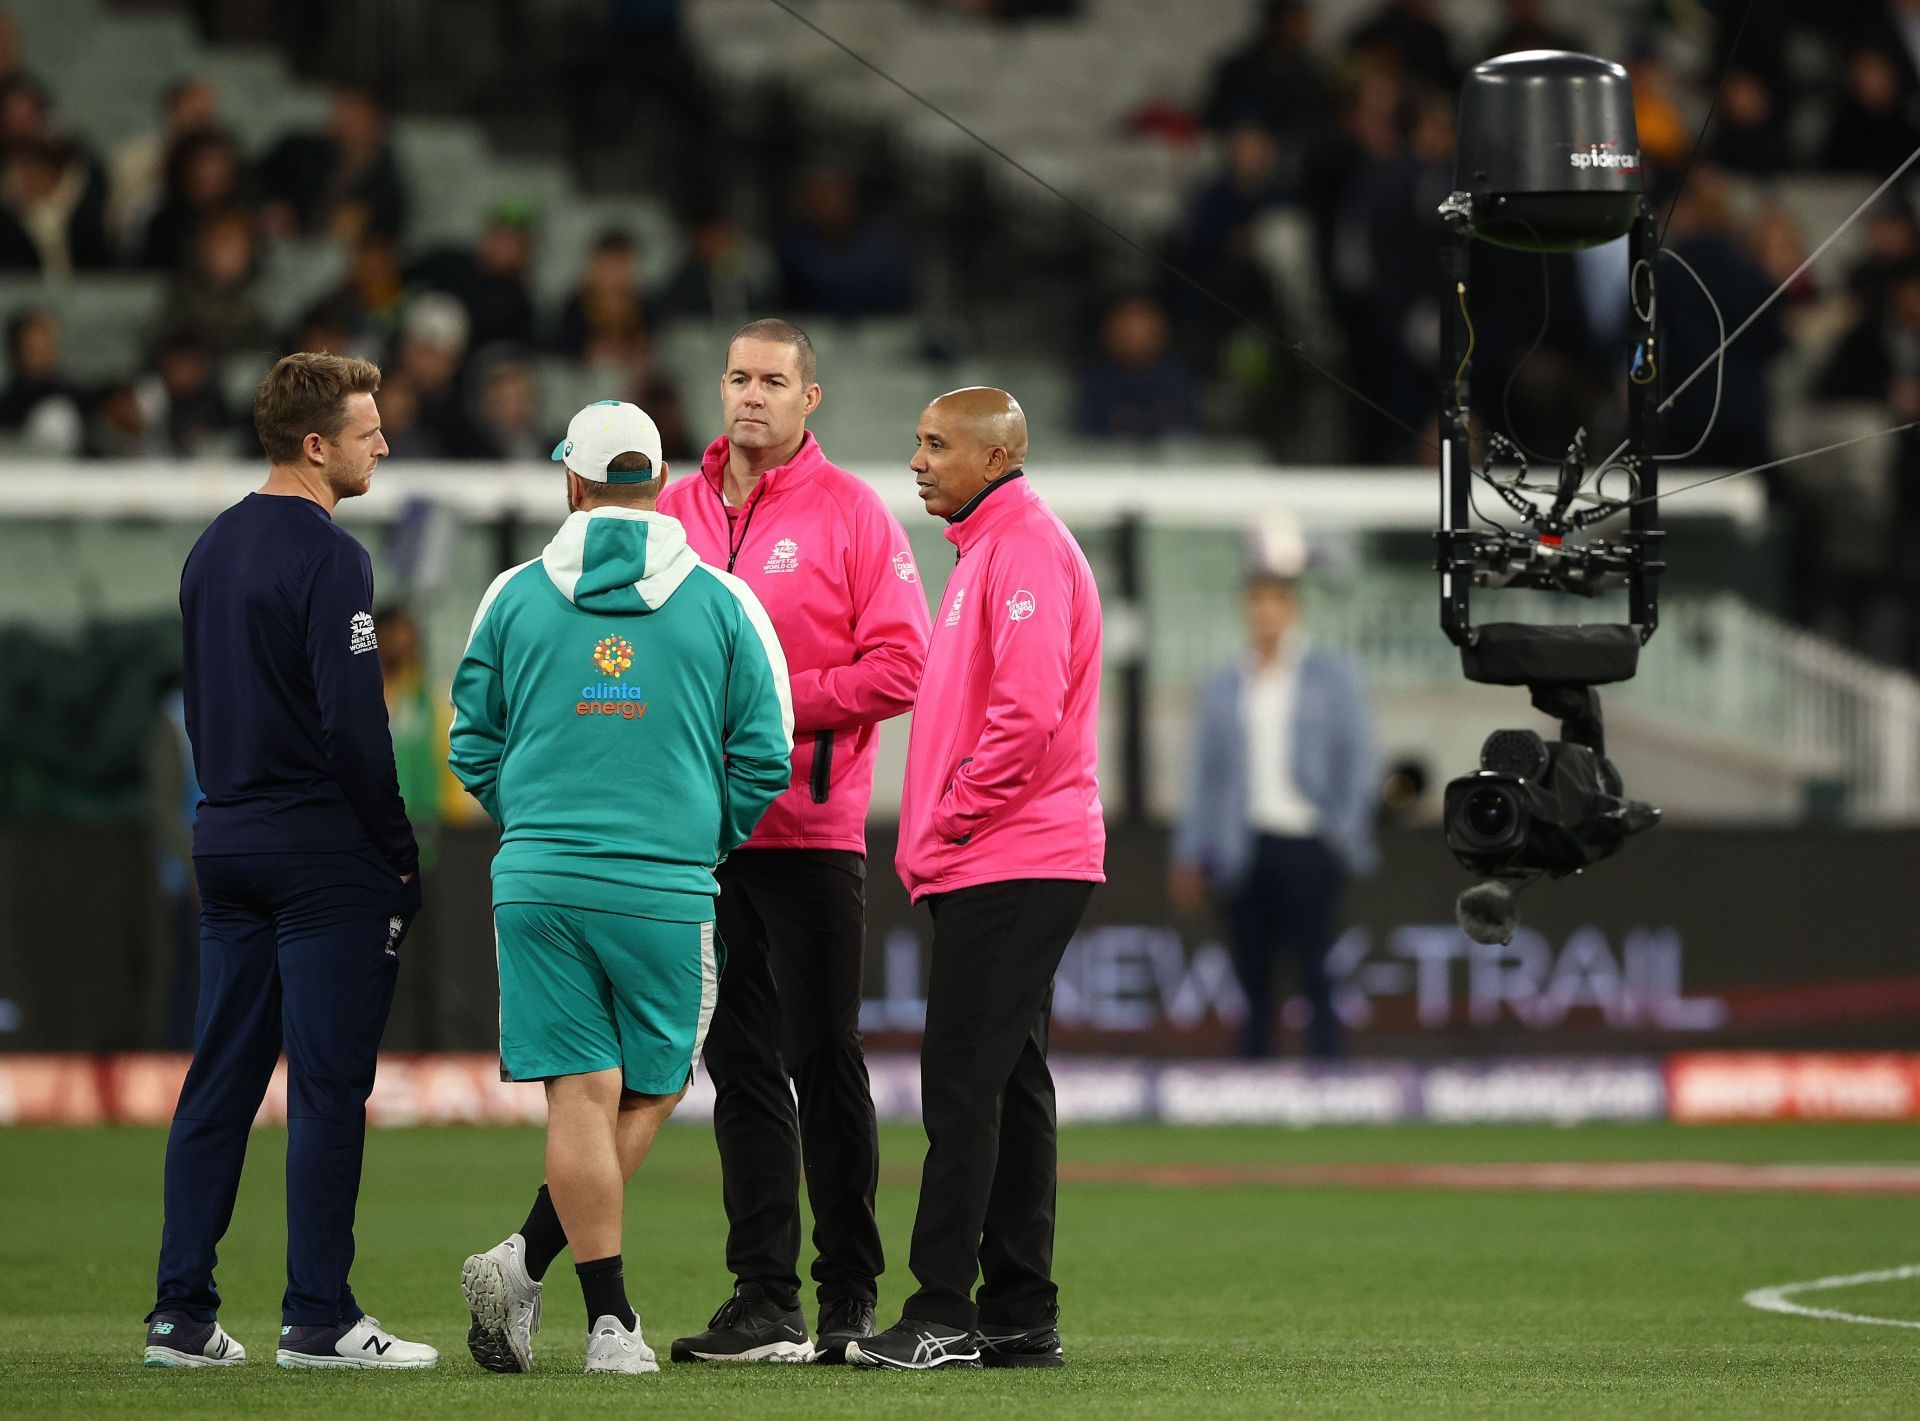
[613,656]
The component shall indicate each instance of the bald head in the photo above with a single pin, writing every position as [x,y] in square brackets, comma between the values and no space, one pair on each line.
[967,439]
[988,417]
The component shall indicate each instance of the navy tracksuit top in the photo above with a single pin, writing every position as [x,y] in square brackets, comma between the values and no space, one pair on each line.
[284,703]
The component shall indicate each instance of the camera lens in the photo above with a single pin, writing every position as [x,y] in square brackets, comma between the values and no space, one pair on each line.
[1489,813]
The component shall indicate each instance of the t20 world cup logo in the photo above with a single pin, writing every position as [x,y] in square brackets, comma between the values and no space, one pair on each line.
[613,655]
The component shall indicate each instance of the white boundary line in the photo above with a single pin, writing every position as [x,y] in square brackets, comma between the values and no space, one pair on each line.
[1775,1299]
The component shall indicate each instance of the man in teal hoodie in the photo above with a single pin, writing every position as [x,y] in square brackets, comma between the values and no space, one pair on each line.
[622,712]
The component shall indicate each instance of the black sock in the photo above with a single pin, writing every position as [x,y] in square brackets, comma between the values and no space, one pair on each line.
[544,1237]
[604,1284]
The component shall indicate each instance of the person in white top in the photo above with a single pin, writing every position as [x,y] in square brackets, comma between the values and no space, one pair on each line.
[1280,810]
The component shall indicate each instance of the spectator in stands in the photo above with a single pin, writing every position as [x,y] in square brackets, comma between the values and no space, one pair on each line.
[1875,125]
[1878,358]
[725,277]
[328,326]
[607,313]
[1705,230]
[407,435]
[505,406]
[1208,330]
[1527,27]
[1407,37]
[1247,184]
[837,260]
[26,111]
[51,216]
[653,389]
[1136,388]
[1892,244]
[183,397]
[1275,81]
[1280,804]
[341,183]
[429,357]
[140,165]
[372,298]
[491,278]
[39,404]
[1749,133]
[215,300]
[1778,247]
[1393,210]
[204,172]
[1366,135]
[121,426]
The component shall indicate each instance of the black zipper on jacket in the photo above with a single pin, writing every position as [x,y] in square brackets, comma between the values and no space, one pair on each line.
[822,782]
[747,511]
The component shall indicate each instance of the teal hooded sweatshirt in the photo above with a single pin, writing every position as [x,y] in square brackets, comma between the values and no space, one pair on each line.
[622,712]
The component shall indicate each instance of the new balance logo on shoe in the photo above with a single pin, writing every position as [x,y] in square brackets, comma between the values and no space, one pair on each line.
[377,1345]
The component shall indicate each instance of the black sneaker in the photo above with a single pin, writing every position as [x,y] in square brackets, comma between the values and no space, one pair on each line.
[1010,1347]
[912,1346]
[750,1327]
[841,1321]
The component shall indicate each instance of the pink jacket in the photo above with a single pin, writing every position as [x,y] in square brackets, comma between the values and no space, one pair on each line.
[833,570]
[1001,763]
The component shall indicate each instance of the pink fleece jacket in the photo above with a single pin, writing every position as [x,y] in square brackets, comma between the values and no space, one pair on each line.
[833,569]
[1001,763]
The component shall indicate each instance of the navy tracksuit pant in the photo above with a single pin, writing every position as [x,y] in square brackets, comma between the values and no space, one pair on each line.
[299,951]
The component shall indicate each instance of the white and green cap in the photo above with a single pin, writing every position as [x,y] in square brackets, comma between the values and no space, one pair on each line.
[601,433]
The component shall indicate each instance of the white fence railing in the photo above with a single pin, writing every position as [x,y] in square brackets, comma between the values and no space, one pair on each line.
[1716,666]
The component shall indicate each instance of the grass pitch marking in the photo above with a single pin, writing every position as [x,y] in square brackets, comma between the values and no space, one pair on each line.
[1777,1299]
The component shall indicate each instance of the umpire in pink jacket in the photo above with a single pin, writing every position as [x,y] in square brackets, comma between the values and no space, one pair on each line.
[1001,834]
[833,570]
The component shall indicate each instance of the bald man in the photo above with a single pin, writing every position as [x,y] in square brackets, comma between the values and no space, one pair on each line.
[1001,835]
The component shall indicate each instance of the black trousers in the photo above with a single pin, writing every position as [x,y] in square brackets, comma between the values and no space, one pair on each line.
[794,925]
[300,951]
[1288,904]
[987,1188]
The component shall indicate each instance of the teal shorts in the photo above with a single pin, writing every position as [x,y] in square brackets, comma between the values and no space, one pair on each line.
[585,991]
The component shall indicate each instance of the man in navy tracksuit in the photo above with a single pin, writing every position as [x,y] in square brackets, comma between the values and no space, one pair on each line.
[306,867]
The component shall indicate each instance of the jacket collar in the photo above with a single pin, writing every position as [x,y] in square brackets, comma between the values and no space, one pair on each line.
[989,508]
[805,463]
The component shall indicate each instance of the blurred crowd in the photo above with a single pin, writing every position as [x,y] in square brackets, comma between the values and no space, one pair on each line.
[1345,139]
[1355,135]
[457,328]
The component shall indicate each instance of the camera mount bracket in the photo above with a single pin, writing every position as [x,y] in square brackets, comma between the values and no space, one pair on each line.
[1547,554]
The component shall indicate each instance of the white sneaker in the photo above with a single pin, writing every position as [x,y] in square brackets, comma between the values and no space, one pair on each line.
[177,1341]
[611,1348]
[363,1345]
[504,1303]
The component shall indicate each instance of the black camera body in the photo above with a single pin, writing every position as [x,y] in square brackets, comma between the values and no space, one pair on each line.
[1539,807]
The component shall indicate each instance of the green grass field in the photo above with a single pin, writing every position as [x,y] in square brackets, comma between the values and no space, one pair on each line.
[1218,1300]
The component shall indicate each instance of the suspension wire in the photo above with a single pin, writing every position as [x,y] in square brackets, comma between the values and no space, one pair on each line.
[1771,464]
[1295,348]
[1780,290]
